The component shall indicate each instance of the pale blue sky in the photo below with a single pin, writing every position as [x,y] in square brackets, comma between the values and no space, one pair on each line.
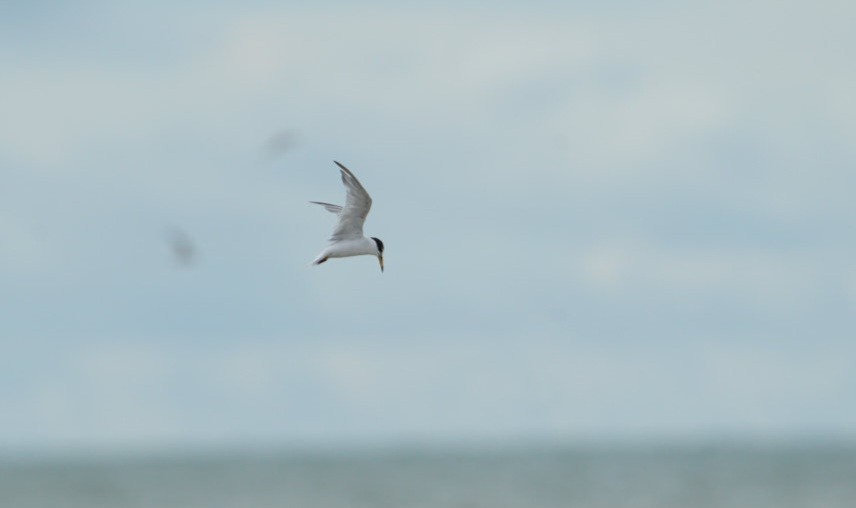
[628,221]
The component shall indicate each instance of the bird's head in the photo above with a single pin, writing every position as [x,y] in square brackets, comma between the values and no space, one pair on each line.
[379,254]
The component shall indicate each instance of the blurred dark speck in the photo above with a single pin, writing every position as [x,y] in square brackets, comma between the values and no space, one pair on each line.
[182,248]
[278,144]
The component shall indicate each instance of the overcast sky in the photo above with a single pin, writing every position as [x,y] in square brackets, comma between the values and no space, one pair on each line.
[610,220]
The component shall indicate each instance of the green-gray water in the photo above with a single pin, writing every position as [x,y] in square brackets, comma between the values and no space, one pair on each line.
[585,478]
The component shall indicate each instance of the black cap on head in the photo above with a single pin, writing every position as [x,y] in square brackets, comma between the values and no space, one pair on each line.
[379,244]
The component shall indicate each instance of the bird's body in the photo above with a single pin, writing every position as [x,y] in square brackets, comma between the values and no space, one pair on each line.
[347,248]
[347,239]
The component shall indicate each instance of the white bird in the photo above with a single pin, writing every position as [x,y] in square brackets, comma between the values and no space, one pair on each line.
[347,239]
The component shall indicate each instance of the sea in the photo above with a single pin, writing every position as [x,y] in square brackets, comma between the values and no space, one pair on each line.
[542,477]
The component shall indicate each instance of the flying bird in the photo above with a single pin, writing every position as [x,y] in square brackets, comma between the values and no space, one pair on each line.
[347,239]
[182,247]
[277,145]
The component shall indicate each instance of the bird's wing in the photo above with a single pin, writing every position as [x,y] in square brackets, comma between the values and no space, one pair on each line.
[329,207]
[356,209]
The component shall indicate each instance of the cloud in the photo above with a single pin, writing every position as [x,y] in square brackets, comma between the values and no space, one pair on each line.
[775,280]
[135,395]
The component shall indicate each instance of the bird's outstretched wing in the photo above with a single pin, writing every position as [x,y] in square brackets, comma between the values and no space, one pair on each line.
[329,207]
[356,209]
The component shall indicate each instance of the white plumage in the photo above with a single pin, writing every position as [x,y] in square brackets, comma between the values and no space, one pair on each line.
[347,238]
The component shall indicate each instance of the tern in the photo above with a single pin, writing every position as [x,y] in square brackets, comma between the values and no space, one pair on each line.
[347,239]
